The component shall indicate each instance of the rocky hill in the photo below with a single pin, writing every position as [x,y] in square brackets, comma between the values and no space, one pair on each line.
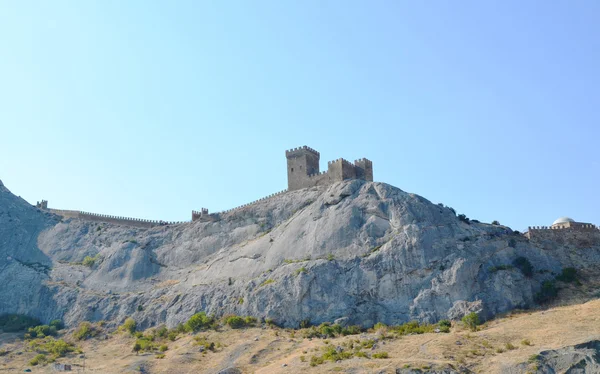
[363,250]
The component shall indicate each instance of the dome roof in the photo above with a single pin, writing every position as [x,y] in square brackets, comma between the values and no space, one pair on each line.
[563,220]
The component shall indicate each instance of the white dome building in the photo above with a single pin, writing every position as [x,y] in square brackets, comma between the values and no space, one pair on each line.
[563,222]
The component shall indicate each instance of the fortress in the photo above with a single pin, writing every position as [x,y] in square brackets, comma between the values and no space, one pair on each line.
[302,170]
[564,228]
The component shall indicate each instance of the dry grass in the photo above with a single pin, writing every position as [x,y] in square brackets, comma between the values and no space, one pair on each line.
[499,344]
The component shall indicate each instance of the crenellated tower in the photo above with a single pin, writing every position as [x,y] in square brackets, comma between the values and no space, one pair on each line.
[303,169]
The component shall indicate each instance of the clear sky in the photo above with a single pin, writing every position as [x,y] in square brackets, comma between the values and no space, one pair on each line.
[153,108]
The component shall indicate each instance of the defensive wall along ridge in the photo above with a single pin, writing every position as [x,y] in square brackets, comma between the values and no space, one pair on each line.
[303,172]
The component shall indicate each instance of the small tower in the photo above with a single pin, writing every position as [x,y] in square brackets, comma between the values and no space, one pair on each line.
[42,205]
[301,162]
[364,169]
[196,215]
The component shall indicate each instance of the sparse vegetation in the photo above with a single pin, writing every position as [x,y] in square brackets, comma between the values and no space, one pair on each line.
[17,322]
[90,261]
[40,331]
[84,331]
[567,275]
[464,218]
[129,325]
[547,292]
[524,266]
[200,321]
[495,223]
[380,355]
[235,322]
[266,282]
[302,270]
[471,320]
[494,269]
[39,359]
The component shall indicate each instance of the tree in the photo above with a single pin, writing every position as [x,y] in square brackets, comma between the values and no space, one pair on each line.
[495,223]
[471,320]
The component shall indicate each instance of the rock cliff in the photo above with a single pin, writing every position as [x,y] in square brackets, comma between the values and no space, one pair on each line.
[363,250]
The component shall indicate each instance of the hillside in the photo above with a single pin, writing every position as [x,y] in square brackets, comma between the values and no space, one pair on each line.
[536,342]
[363,250]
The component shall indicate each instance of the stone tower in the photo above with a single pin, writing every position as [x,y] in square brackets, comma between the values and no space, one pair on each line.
[303,169]
[301,162]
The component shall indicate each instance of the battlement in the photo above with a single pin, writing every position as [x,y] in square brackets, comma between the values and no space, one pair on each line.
[298,150]
[362,161]
[42,205]
[565,229]
[201,215]
[341,160]
[303,169]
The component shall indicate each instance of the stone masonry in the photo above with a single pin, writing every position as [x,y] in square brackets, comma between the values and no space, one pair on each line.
[303,169]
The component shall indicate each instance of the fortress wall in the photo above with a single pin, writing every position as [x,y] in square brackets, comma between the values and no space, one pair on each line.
[95,217]
[252,203]
[585,234]
[65,213]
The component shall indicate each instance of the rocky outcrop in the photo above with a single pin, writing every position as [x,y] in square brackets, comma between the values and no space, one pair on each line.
[363,251]
[578,359]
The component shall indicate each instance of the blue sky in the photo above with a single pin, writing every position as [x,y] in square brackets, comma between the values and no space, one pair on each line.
[151,108]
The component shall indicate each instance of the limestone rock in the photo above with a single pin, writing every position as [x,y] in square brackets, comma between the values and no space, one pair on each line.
[364,250]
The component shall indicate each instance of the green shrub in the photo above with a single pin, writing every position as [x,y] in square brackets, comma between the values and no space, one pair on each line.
[463,218]
[352,330]
[494,269]
[200,321]
[57,324]
[250,321]
[412,327]
[270,322]
[40,359]
[129,325]
[40,331]
[203,342]
[235,322]
[305,323]
[524,266]
[162,331]
[17,322]
[172,335]
[90,261]
[140,308]
[567,275]
[471,320]
[547,292]
[496,223]
[84,331]
[163,348]
[160,356]
[302,270]
[143,344]
[58,348]
[512,243]
[380,355]
[266,282]
[445,323]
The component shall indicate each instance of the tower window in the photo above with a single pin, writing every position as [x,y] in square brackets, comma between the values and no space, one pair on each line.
[292,170]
